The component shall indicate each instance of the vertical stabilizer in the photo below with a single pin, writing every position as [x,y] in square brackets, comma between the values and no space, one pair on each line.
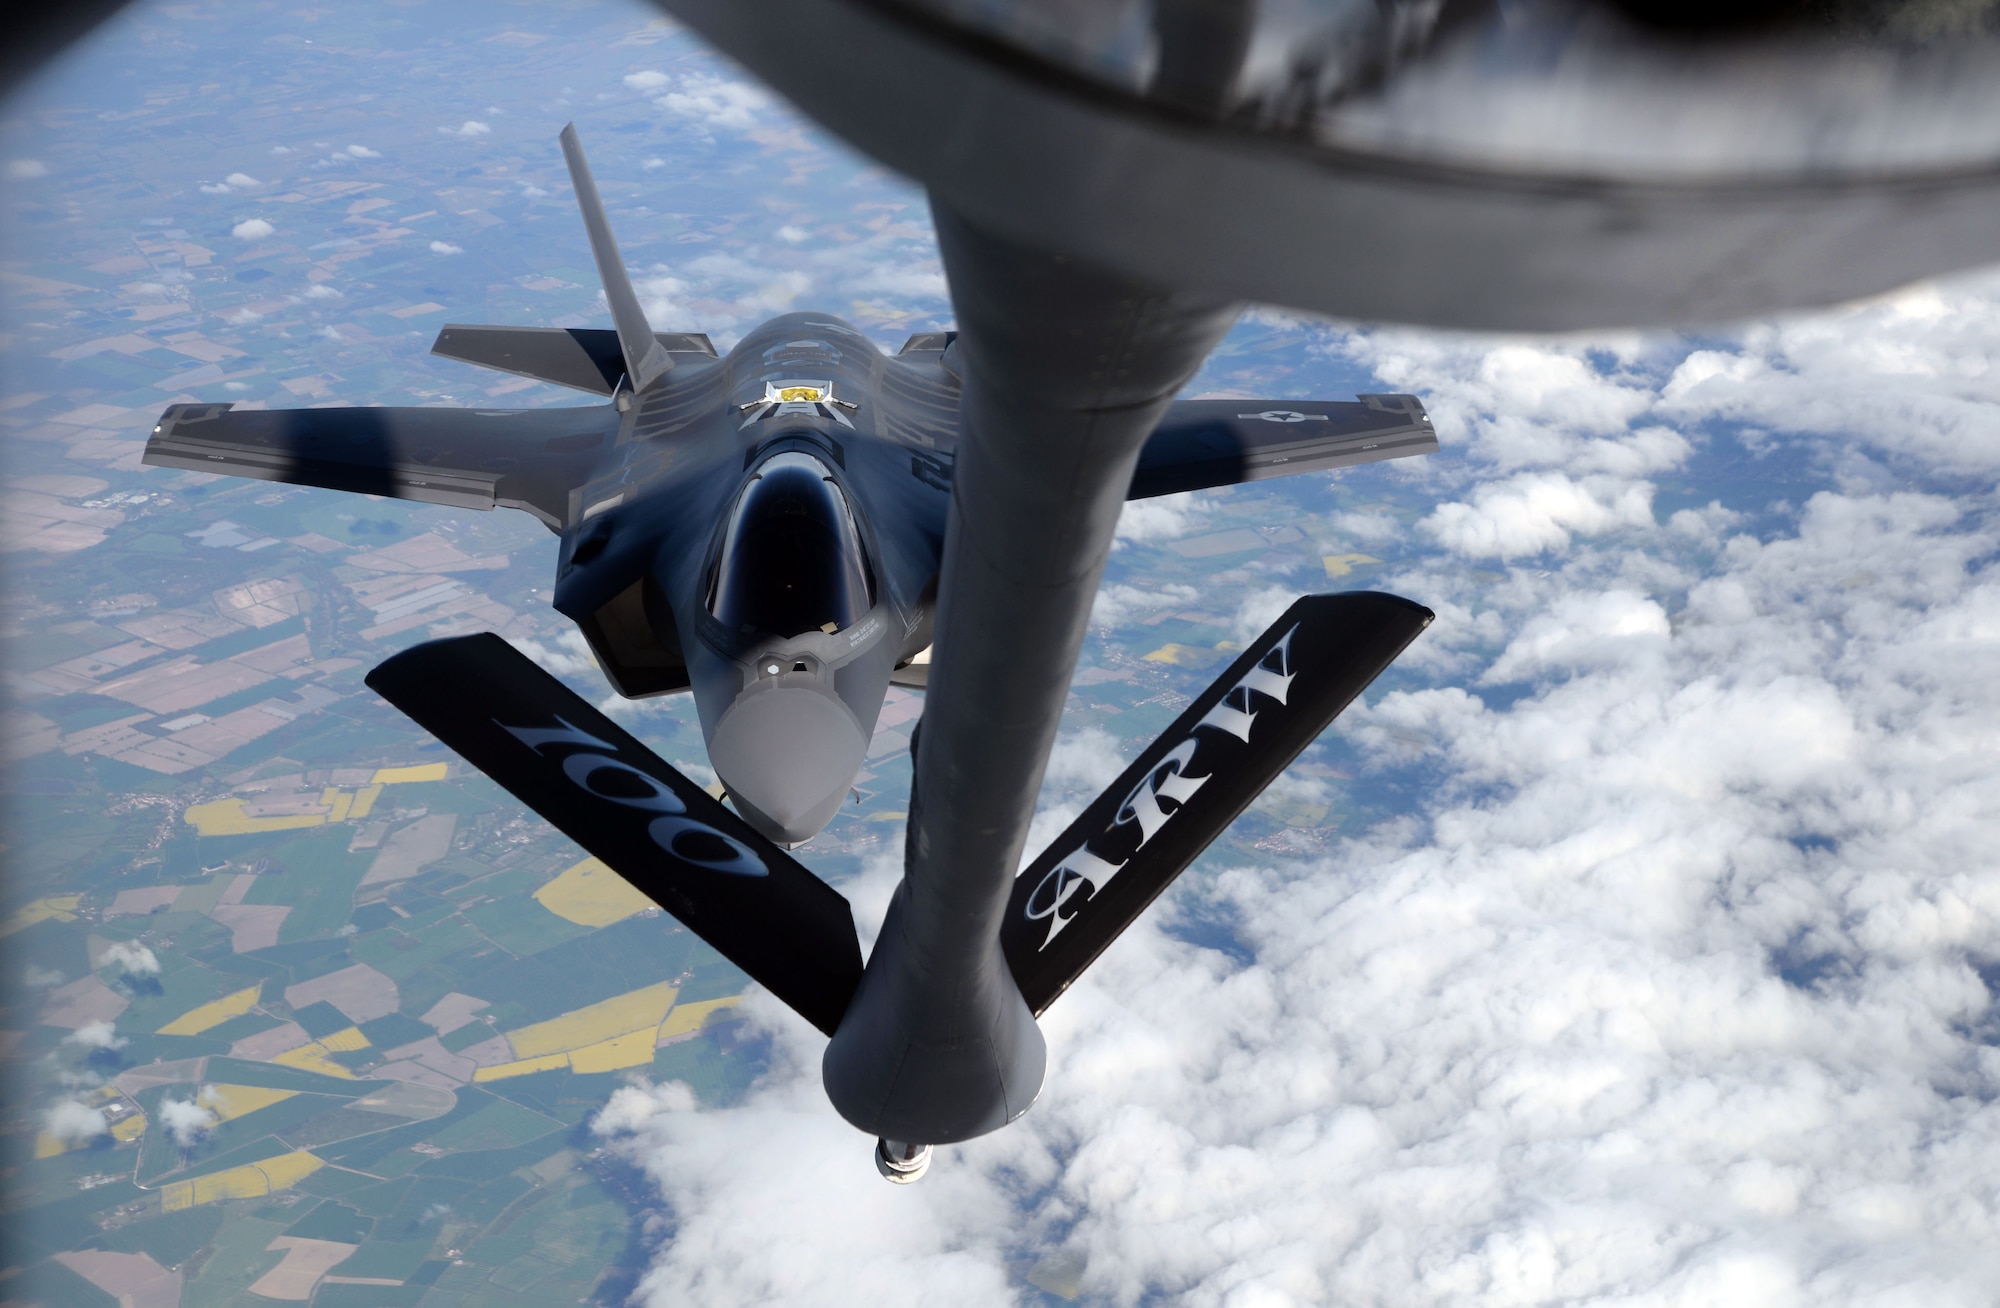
[645,359]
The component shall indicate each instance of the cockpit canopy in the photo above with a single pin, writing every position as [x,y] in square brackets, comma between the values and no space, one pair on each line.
[791,560]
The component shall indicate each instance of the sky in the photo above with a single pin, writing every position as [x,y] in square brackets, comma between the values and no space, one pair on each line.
[1669,976]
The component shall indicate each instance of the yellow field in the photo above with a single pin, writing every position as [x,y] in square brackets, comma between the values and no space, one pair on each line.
[689,1017]
[521,1067]
[60,907]
[591,894]
[247,1182]
[225,817]
[616,1016]
[634,1049]
[344,1042]
[213,1013]
[1187,656]
[125,1129]
[229,1102]
[1339,565]
[312,1058]
[627,1049]
[414,772]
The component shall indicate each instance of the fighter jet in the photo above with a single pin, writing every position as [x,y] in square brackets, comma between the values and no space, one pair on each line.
[762,528]
[767,530]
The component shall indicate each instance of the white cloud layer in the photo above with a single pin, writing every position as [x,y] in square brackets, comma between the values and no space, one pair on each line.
[185,1121]
[252,229]
[712,102]
[73,1123]
[1675,986]
[1163,517]
[133,959]
[96,1035]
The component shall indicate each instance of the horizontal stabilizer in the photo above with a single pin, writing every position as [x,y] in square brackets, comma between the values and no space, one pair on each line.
[584,358]
[646,360]
[1185,790]
[1204,443]
[468,458]
[792,933]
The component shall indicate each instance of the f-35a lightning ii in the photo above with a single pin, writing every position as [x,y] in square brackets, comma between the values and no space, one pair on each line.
[767,529]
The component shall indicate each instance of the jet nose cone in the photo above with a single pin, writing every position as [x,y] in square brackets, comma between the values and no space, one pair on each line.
[787,756]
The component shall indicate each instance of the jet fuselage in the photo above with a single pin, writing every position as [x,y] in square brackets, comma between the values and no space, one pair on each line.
[777,554]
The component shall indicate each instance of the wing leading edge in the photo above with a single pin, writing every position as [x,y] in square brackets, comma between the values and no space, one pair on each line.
[471,458]
[1204,443]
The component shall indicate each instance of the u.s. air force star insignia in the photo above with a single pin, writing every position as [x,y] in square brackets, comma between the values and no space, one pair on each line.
[1283,415]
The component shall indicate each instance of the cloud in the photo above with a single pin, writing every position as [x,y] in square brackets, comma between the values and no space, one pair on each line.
[96,1035]
[1088,759]
[720,292]
[40,978]
[21,170]
[647,80]
[185,1121]
[468,128]
[1258,609]
[1536,512]
[1901,375]
[132,959]
[241,179]
[446,247]
[252,229]
[1584,630]
[1118,604]
[716,102]
[1164,517]
[321,291]
[793,235]
[363,152]
[796,1171]
[568,656]
[1656,963]
[73,1123]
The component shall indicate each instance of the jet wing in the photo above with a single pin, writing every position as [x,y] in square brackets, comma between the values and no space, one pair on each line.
[471,458]
[1203,443]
